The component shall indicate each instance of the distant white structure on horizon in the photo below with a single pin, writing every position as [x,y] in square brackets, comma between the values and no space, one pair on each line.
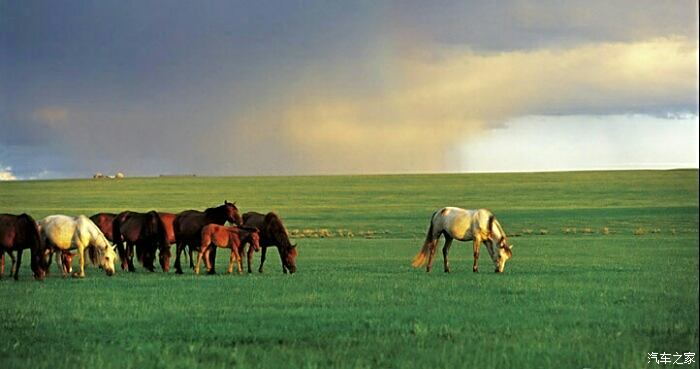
[99,175]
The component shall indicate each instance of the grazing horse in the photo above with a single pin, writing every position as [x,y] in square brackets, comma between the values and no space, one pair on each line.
[147,232]
[188,228]
[63,233]
[19,232]
[478,225]
[168,220]
[65,262]
[272,233]
[103,221]
[228,238]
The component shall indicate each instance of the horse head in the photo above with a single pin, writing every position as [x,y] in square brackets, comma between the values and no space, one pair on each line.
[505,252]
[290,257]
[255,239]
[232,214]
[67,261]
[102,254]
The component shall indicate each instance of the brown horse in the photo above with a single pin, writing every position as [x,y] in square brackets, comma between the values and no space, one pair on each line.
[147,232]
[227,238]
[19,232]
[272,233]
[64,260]
[188,228]
[103,221]
[168,220]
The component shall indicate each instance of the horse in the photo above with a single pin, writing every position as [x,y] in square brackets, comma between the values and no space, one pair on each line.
[272,233]
[64,260]
[19,232]
[147,232]
[63,233]
[103,221]
[188,228]
[479,225]
[168,220]
[226,237]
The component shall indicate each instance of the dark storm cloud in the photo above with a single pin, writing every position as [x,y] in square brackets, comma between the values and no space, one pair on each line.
[270,87]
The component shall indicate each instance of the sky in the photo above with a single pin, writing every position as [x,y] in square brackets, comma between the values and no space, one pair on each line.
[345,87]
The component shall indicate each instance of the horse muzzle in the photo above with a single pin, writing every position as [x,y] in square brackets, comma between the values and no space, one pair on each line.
[109,272]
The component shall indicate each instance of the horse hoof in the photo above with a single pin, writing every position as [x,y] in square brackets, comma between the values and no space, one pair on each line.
[211,272]
[476,270]
[447,270]
[178,271]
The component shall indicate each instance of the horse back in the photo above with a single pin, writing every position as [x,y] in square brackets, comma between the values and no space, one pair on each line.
[103,221]
[272,231]
[188,224]
[18,231]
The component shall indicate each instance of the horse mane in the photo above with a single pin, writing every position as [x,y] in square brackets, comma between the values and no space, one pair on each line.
[95,253]
[275,229]
[492,222]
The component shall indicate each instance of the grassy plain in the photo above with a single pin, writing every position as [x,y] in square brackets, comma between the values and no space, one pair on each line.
[605,270]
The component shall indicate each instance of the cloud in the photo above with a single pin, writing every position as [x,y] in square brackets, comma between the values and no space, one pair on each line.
[6,174]
[431,101]
[51,115]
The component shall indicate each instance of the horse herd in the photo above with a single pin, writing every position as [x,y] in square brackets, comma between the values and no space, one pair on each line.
[144,235]
[150,234]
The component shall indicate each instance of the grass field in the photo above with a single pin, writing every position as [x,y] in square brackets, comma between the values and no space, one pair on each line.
[605,270]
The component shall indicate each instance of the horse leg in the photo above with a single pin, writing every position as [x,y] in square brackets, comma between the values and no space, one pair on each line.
[232,259]
[240,262]
[250,258]
[433,248]
[179,247]
[81,251]
[199,260]
[48,254]
[477,244]
[130,256]
[212,260]
[2,263]
[15,266]
[263,252]
[59,263]
[445,251]
[492,253]
[284,267]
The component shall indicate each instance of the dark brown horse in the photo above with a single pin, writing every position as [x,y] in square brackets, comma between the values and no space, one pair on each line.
[272,233]
[188,228]
[104,223]
[229,238]
[147,232]
[19,232]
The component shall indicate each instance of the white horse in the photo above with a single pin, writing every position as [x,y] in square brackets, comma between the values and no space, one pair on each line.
[62,233]
[477,225]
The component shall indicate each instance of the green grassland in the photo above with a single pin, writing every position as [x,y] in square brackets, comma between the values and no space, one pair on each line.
[605,270]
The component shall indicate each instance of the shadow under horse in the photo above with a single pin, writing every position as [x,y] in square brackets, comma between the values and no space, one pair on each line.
[188,229]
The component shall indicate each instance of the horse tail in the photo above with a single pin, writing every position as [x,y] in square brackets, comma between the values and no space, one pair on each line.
[117,235]
[31,237]
[430,242]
